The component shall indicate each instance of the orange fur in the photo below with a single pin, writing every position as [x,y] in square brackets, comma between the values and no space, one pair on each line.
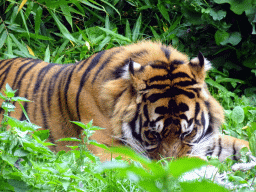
[147,95]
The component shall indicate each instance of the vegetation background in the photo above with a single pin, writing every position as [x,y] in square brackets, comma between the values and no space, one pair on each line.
[66,31]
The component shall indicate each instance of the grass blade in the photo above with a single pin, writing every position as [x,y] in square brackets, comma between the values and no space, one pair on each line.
[47,55]
[62,28]
[121,37]
[156,36]
[136,29]
[128,32]
[65,9]
[3,38]
[24,21]
[22,48]
[38,19]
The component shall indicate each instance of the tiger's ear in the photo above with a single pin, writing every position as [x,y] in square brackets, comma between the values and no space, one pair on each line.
[134,67]
[199,65]
[130,70]
[134,72]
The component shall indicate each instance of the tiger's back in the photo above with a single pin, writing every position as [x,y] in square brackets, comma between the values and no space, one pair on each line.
[147,95]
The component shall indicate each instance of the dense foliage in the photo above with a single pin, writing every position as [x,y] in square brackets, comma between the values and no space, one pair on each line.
[65,31]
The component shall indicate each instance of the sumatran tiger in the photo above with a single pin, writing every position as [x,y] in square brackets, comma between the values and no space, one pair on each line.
[146,95]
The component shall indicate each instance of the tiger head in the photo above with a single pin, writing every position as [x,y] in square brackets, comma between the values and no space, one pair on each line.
[162,107]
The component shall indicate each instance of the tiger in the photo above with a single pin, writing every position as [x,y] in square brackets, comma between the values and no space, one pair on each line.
[145,95]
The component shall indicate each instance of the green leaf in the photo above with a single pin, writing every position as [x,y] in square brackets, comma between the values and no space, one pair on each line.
[47,55]
[8,106]
[136,29]
[4,185]
[91,142]
[238,114]
[130,153]
[20,152]
[252,143]
[107,23]
[9,91]
[113,7]
[121,37]
[38,19]
[163,10]
[22,125]
[10,159]
[183,165]
[9,45]
[156,36]
[128,33]
[2,96]
[3,38]
[221,36]
[235,38]
[220,87]
[62,28]
[237,6]
[42,134]
[218,15]
[250,62]
[93,6]
[103,43]
[22,48]
[65,9]
[19,185]
[203,186]
[111,165]
[69,139]
[80,124]
[20,99]
[24,21]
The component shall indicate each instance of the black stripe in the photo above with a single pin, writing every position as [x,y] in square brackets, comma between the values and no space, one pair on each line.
[145,112]
[27,103]
[220,146]
[67,83]
[138,54]
[203,121]
[183,116]
[161,65]
[159,78]
[6,71]
[82,63]
[169,77]
[41,76]
[196,90]
[166,52]
[52,83]
[84,78]
[20,81]
[9,62]
[177,62]
[210,150]
[132,124]
[104,64]
[186,83]
[157,86]
[43,113]
[197,110]
[170,93]
[234,151]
